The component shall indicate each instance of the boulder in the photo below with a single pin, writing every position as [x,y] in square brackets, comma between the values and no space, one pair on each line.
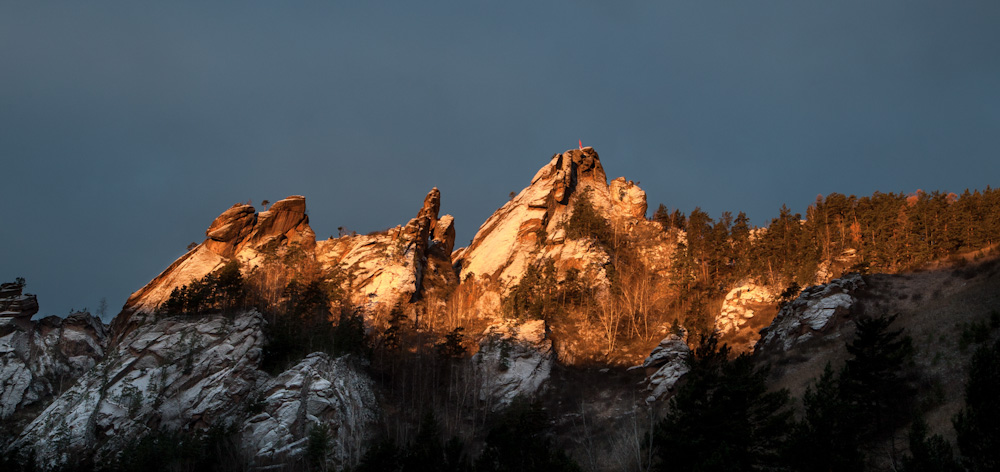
[232,226]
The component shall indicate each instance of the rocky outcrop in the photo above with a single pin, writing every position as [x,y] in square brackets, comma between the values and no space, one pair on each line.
[318,392]
[15,304]
[627,198]
[812,315]
[39,359]
[740,306]
[829,269]
[514,360]
[240,228]
[229,228]
[665,366]
[177,374]
[238,233]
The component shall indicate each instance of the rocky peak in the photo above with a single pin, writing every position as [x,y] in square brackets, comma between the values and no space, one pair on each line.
[444,236]
[537,227]
[627,198]
[432,204]
[571,166]
[532,224]
[426,229]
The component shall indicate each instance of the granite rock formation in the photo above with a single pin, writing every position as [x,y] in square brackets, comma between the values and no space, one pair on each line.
[40,359]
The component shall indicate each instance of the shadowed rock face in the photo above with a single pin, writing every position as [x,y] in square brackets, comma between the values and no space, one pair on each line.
[41,358]
[816,312]
[514,360]
[316,391]
[187,373]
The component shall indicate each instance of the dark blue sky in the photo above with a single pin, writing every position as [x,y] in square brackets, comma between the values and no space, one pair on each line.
[126,127]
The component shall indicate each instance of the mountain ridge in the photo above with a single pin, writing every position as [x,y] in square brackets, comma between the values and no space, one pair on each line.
[565,282]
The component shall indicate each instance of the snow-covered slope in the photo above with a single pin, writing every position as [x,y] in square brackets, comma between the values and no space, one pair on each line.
[190,373]
[318,392]
[174,373]
[41,358]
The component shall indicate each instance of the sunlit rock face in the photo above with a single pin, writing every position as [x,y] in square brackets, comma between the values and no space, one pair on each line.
[399,265]
[737,307]
[531,225]
[238,233]
[377,270]
[40,359]
[813,314]
[531,228]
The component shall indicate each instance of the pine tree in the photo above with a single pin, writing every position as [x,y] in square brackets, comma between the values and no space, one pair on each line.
[928,454]
[519,441]
[872,380]
[662,216]
[723,418]
[426,454]
[978,424]
[827,437]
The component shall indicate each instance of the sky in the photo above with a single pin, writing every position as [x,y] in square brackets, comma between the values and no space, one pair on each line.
[127,127]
